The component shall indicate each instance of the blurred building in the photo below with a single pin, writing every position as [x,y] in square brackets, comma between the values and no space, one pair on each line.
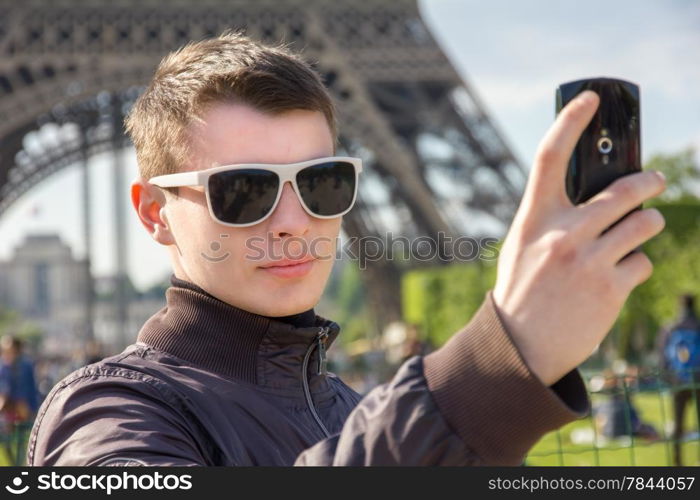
[44,283]
[48,286]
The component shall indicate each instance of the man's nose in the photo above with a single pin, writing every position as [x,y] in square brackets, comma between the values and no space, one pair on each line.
[289,217]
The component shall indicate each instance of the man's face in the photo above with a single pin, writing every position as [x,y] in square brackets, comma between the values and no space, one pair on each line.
[228,261]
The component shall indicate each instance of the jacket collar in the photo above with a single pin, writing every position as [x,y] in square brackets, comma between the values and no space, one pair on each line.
[219,337]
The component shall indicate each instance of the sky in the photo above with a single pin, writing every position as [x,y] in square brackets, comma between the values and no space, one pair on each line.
[513,54]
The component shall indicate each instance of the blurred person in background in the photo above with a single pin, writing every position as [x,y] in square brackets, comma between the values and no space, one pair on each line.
[414,344]
[19,397]
[679,362]
[618,416]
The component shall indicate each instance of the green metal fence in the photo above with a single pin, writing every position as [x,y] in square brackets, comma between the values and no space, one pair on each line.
[13,443]
[646,432]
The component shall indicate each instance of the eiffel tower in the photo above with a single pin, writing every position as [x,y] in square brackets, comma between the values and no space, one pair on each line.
[434,160]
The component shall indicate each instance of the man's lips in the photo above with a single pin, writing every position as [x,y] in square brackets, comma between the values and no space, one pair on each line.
[287,262]
[286,268]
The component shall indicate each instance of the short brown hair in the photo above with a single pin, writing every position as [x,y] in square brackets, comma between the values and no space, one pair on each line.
[231,67]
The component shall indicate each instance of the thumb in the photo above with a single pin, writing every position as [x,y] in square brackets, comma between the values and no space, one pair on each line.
[546,183]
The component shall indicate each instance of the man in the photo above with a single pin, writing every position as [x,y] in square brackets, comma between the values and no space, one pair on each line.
[19,398]
[232,370]
[679,360]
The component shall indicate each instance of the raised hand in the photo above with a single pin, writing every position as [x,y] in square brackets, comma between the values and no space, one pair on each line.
[561,281]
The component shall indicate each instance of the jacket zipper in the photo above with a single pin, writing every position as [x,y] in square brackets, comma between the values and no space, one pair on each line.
[319,342]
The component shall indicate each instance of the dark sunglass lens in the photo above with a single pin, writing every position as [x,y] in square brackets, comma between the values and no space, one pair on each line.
[242,196]
[327,188]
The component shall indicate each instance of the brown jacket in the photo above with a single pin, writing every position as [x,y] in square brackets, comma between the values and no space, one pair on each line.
[207,383]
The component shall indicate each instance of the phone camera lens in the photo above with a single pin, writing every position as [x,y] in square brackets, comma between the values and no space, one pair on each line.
[605,145]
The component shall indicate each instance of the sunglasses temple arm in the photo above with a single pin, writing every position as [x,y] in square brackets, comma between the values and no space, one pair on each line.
[177,180]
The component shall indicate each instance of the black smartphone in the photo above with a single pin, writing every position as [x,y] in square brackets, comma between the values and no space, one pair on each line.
[610,147]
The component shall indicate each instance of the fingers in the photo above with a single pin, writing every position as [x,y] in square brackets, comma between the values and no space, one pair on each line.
[632,231]
[546,183]
[633,270]
[620,197]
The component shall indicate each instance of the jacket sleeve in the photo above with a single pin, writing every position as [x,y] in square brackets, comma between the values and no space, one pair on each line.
[87,415]
[474,401]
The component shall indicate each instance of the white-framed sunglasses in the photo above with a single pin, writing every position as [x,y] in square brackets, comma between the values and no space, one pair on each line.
[247,193]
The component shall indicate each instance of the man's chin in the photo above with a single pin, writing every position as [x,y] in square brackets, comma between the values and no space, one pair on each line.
[285,303]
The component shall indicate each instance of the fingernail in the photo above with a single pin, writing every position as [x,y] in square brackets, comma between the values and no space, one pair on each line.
[587,96]
[661,174]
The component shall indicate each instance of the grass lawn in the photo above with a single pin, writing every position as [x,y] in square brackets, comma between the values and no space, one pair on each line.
[653,407]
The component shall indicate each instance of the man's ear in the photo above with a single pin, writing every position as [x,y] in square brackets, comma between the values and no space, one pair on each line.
[149,202]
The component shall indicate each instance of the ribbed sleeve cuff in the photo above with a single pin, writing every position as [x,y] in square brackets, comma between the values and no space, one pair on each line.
[487,393]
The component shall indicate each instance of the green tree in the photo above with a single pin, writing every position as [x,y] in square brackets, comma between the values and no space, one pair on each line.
[442,300]
[674,253]
[682,175]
